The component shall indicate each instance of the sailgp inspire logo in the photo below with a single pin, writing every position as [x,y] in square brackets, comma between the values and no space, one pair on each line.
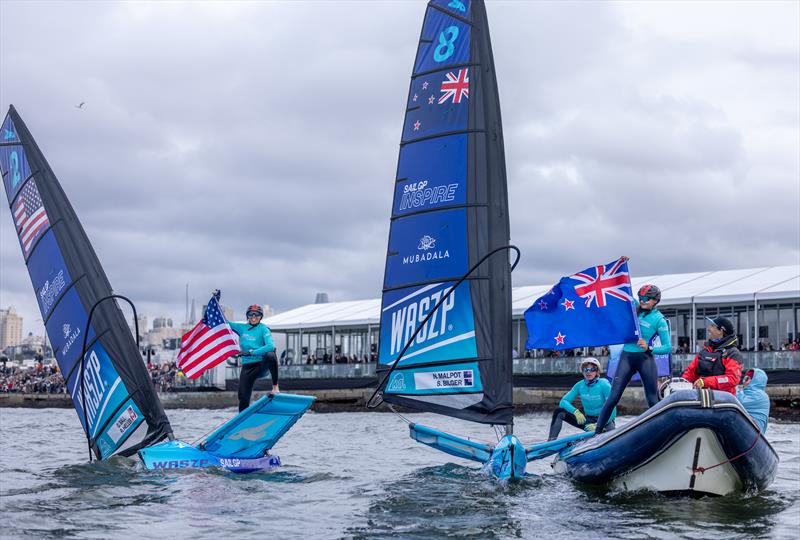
[50,291]
[426,243]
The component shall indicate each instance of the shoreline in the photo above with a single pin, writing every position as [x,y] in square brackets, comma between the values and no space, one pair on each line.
[785,400]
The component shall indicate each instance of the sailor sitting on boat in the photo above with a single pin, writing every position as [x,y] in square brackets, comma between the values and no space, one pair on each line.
[593,391]
[753,397]
[719,365]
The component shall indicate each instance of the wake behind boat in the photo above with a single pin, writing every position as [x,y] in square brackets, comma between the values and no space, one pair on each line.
[111,390]
[693,441]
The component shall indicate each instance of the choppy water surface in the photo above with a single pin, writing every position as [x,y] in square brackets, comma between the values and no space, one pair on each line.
[350,475]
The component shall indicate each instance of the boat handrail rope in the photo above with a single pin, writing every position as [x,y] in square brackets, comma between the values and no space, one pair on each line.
[370,404]
[701,470]
[83,358]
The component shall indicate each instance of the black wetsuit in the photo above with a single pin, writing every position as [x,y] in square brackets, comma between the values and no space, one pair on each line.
[250,372]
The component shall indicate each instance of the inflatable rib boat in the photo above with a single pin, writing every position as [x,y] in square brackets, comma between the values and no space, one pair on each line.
[693,441]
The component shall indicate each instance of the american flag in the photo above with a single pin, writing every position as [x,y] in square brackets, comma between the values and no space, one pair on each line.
[207,344]
[29,215]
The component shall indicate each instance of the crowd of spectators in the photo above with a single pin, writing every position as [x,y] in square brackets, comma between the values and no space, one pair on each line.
[39,379]
[166,376]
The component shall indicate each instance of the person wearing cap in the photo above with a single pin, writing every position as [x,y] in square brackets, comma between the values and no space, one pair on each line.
[753,397]
[257,353]
[593,391]
[719,365]
[637,357]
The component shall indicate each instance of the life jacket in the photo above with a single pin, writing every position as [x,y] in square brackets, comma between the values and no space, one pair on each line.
[709,360]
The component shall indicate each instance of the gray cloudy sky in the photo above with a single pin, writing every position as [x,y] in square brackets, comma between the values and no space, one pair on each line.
[252,146]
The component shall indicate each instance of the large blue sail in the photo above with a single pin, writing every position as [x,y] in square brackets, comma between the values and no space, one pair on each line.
[122,410]
[450,210]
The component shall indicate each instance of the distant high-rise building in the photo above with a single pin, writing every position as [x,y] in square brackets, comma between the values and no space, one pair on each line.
[192,316]
[10,328]
[162,322]
[322,298]
[268,311]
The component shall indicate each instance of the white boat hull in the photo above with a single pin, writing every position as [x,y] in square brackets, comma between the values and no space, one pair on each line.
[674,469]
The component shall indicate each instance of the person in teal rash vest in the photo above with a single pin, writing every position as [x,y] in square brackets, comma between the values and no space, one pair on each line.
[257,353]
[637,357]
[593,391]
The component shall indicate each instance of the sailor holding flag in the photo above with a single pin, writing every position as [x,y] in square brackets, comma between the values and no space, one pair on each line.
[596,307]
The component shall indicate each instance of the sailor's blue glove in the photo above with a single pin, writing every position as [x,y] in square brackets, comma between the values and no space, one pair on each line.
[244,353]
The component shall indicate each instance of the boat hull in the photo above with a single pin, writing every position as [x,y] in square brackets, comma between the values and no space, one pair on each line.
[181,455]
[508,459]
[693,441]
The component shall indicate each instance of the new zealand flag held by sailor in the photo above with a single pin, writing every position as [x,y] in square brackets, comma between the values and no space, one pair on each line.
[589,308]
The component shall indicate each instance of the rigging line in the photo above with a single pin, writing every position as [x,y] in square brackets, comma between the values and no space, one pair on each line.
[83,359]
[430,314]
[406,420]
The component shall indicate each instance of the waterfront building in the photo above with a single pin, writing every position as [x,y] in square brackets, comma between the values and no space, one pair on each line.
[763,303]
[10,328]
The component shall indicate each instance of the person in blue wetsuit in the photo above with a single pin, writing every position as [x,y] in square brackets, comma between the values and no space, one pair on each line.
[638,357]
[754,398]
[593,391]
[257,352]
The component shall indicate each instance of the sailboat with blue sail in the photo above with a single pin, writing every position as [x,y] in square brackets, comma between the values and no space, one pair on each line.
[111,390]
[445,338]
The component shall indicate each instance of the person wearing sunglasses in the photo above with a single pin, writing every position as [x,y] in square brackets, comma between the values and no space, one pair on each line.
[753,397]
[637,357]
[718,365]
[593,391]
[257,354]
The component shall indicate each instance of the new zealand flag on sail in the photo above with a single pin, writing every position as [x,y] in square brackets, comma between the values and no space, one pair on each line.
[592,307]
[437,103]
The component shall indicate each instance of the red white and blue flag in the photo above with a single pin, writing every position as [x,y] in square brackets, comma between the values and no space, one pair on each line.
[207,344]
[29,216]
[589,308]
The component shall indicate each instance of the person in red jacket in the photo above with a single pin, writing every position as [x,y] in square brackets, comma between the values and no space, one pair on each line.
[719,365]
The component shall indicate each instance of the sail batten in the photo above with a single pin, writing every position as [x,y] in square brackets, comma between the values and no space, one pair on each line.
[448,315]
[115,400]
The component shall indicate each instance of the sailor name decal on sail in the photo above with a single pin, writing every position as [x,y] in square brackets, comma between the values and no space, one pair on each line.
[122,424]
[444,379]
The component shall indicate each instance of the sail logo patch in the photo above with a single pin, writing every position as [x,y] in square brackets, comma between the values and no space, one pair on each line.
[69,338]
[419,195]
[122,424]
[406,319]
[397,384]
[432,380]
[426,243]
[447,334]
[50,291]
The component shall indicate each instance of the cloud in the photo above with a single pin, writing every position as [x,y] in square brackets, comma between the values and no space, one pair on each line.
[252,146]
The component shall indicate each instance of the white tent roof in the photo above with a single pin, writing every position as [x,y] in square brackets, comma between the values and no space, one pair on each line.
[769,283]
